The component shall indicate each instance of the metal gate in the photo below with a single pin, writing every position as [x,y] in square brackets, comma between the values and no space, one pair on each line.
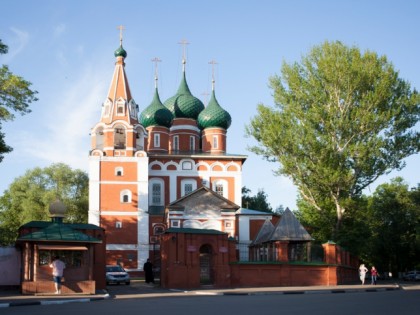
[206,270]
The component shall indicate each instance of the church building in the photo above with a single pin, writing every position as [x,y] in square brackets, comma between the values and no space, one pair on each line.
[147,163]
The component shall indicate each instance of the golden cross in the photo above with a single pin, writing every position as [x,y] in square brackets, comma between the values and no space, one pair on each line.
[156,60]
[213,63]
[184,43]
[121,28]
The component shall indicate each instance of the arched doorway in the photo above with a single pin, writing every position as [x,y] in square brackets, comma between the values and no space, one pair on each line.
[206,268]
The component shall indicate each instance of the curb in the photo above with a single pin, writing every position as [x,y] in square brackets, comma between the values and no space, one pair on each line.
[54,302]
[334,291]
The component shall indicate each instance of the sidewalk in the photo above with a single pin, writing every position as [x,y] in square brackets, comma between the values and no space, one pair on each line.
[138,289]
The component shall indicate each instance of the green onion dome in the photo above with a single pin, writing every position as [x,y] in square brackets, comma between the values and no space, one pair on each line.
[183,104]
[120,52]
[214,115]
[156,114]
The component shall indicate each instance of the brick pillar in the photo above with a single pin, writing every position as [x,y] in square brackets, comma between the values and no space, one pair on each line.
[282,250]
[330,252]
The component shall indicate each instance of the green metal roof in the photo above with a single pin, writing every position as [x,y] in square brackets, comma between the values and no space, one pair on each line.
[214,115]
[59,232]
[77,226]
[120,52]
[156,114]
[183,104]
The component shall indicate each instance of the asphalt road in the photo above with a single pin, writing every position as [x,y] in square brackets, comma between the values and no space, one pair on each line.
[385,302]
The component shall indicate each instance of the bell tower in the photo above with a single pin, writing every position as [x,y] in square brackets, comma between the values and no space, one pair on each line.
[118,173]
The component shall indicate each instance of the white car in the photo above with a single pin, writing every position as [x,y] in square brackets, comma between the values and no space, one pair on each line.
[116,274]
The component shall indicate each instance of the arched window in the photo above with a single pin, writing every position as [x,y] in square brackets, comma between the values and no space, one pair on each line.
[215,142]
[120,107]
[192,143]
[156,189]
[133,108]
[125,196]
[119,171]
[119,137]
[99,138]
[188,186]
[107,108]
[139,139]
[156,140]
[220,187]
[158,229]
[176,143]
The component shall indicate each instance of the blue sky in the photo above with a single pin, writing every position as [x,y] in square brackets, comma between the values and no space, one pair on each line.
[65,48]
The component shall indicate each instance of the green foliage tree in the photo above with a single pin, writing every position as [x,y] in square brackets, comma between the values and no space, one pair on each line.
[258,202]
[29,197]
[394,218]
[15,97]
[342,119]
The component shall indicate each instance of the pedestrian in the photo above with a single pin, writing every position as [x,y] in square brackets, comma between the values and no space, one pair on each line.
[148,271]
[374,275]
[362,273]
[58,267]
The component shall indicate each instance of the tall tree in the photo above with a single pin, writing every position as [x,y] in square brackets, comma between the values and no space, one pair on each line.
[258,202]
[394,218]
[29,197]
[15,97]
[342,119]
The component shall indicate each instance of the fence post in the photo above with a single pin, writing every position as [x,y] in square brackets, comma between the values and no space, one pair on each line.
[330,252]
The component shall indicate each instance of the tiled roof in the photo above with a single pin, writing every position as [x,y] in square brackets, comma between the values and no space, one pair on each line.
[289,229]
[214,115]
[264,233]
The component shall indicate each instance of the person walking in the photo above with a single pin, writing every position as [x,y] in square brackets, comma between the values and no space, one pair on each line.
[374,275]
[58,267]
[362,273]
[148,271]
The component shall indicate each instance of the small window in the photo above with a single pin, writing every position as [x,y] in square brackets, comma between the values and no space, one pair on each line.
[158,229]
[157,140]
[188,186]
[175,223]
[219,189]
[215,142]
[192,143]
[176,143]
[119,171]
[118,225]
[156,193]
[125,196]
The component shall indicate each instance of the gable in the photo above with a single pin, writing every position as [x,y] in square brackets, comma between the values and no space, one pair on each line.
[203,202]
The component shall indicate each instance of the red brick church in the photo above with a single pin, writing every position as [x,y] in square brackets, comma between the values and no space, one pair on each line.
[162,171]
